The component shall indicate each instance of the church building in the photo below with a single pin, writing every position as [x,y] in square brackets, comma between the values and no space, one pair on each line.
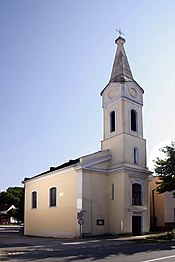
[106,192]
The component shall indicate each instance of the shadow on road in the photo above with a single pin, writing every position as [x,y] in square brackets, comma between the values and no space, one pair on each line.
[15,246]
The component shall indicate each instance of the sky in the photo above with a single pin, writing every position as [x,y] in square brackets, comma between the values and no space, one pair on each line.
[55,59]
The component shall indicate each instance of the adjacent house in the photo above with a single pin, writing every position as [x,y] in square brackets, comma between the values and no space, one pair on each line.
[4,216]
[162,208]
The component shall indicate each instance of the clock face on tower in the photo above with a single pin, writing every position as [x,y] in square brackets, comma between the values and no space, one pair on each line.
[111,93]
[133,92]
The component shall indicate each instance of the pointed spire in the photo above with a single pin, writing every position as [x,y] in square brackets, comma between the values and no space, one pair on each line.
[121,69]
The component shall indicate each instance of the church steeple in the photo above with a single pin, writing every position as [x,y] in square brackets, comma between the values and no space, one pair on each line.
[122,109]
[121,70]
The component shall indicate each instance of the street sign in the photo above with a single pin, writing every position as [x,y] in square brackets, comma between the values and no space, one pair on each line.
[80,221]
[80,215]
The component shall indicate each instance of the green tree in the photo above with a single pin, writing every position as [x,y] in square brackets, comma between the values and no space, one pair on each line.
[165,169]
[14,196]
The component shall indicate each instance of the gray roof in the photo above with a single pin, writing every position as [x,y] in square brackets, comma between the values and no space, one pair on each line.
[121,68]
[71,162]
[121,71]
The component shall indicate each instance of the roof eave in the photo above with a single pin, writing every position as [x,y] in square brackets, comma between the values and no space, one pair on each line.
[66,165]
[131,80]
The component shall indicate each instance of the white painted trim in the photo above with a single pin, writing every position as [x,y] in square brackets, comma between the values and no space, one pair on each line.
[116,170]
[117,99]
[11,207]
[128,134]
[141,183]
[135,180]
[79,191]
[140,209]
[93,162]
[158,259]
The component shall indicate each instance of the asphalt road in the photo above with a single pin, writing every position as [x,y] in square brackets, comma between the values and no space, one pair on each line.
[16,247]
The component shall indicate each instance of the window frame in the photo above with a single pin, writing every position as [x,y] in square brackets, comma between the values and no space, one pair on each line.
[112,191]
[135,155]
[34,200]
[112,121]
[52,196]
[137,199]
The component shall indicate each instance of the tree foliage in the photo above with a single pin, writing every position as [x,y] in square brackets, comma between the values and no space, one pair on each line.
[14,196]
[165,169]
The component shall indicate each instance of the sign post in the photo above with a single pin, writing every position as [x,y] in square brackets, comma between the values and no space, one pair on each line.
[80,218]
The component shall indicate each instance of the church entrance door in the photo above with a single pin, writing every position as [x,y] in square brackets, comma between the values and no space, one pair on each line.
[136,225]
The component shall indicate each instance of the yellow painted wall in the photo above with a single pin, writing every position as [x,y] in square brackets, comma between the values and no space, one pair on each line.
[52,221]
[95,202]
[116,210]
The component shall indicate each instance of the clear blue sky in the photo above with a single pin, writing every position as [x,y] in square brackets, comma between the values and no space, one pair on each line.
[56,57]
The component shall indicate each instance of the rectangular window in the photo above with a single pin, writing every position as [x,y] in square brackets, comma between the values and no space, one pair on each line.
[34,199]
[112,192]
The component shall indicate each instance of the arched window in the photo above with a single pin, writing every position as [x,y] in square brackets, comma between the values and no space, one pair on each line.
[135,155]
[112,121]
[52,196]
[133,120]
[34,199]
[136,194]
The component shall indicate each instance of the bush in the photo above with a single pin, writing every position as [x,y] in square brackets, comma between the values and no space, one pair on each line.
[163,236]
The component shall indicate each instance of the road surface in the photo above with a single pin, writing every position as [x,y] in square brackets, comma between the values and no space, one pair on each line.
[16,247]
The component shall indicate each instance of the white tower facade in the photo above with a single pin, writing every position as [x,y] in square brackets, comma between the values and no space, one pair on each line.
[122,101]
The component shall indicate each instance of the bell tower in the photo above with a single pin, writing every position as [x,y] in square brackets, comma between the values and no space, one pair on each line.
[122,102]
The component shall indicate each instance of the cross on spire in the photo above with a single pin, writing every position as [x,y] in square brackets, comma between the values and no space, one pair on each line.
[119,31]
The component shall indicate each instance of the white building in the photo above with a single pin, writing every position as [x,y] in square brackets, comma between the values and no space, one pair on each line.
[110,185]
